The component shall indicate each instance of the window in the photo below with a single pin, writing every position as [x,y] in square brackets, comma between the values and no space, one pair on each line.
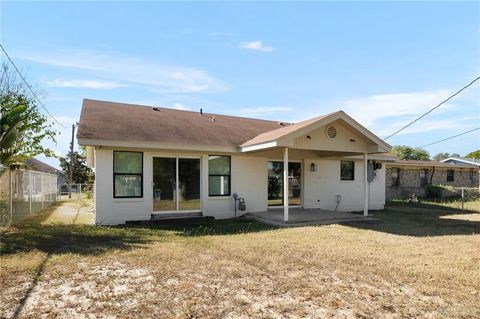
[450,175]
[347,170]
[395,177]
[127,174]
[219,175]
[423,177]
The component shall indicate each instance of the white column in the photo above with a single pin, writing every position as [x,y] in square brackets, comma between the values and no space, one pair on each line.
[42,190]
[285,184]
[11,192]
[365,185]
[30,186]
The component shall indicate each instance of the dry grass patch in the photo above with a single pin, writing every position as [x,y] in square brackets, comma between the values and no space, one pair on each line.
[414,263]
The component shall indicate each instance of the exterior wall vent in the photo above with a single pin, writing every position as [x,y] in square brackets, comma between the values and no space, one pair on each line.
[331,131]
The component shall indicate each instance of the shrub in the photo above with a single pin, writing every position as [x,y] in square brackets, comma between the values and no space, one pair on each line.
[5,218]
[440,191]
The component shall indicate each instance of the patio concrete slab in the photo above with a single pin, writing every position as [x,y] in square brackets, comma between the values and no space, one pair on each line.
[306,217]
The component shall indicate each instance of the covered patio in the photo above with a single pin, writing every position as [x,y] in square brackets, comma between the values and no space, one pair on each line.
[333,136]
[306,217]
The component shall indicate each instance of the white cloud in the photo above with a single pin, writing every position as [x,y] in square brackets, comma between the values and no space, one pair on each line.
[256,45]
[385,113]
[370,109]
[131,71]
[263,110]
[179,106]
[89,84]
[426,125]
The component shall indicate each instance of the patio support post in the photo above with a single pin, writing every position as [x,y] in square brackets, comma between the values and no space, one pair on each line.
[285,184]
[365,185]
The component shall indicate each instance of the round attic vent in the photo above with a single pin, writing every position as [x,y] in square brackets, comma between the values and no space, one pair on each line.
[331,131]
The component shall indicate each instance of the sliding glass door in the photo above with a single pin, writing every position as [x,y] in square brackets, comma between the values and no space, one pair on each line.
[275,183]
[164,184]
[188,184]
[176,184]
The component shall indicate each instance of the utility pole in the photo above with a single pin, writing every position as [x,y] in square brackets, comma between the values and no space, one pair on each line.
[71,163]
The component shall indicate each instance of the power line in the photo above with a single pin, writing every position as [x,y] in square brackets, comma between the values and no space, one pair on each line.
[449,138]
[438,105]
[28,85]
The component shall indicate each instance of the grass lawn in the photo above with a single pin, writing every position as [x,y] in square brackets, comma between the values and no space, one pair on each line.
[416,261]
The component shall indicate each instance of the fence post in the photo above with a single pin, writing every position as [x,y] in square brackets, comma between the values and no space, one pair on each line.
[30,185]
[463,198]
[41,189]
[11,195]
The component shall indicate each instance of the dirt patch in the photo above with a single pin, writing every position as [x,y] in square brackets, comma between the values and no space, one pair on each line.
[76,295]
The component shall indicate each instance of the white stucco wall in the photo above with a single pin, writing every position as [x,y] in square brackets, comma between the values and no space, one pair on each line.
[249,180]
[113,211]
[322,186]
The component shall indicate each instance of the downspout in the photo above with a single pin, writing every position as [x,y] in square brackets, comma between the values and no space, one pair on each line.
[431,176]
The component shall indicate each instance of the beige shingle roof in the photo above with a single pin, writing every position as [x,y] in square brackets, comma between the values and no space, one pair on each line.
[128,122]
[101,120]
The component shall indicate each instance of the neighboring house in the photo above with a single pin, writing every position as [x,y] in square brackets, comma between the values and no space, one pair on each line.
[463,160]
[155,161]
[39,166]
[407,177]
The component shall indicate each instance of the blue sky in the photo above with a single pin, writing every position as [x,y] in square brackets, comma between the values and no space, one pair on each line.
[384,63]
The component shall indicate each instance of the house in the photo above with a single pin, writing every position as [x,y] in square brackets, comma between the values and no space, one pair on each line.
[152,161]
[39,166]
[463,160]
[404,177]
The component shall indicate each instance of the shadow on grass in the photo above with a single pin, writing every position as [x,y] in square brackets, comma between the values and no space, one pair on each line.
[32,234]
[212,227]
[421,220]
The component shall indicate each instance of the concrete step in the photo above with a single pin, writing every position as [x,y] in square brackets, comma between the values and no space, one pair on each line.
[174,216]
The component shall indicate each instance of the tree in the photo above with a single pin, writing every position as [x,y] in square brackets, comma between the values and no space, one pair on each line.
[409,153]
[442,156]
[474,154]
[27,127]
[11,129]
[81,173]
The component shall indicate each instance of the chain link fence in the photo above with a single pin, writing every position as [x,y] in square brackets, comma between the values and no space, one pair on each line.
[78,190]
[469,198]
[24,193]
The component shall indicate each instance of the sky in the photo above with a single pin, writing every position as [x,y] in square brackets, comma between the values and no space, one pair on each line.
[384,63]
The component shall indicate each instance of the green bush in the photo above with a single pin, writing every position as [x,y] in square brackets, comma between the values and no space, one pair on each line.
[5,218]
[440,191]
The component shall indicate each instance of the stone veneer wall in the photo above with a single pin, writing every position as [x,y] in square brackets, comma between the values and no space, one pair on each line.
[410,180]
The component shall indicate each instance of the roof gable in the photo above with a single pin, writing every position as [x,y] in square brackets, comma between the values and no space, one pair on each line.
[463,160]
[286,135]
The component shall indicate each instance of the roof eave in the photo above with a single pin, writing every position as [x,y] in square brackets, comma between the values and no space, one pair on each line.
[156,145]
[259,146]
